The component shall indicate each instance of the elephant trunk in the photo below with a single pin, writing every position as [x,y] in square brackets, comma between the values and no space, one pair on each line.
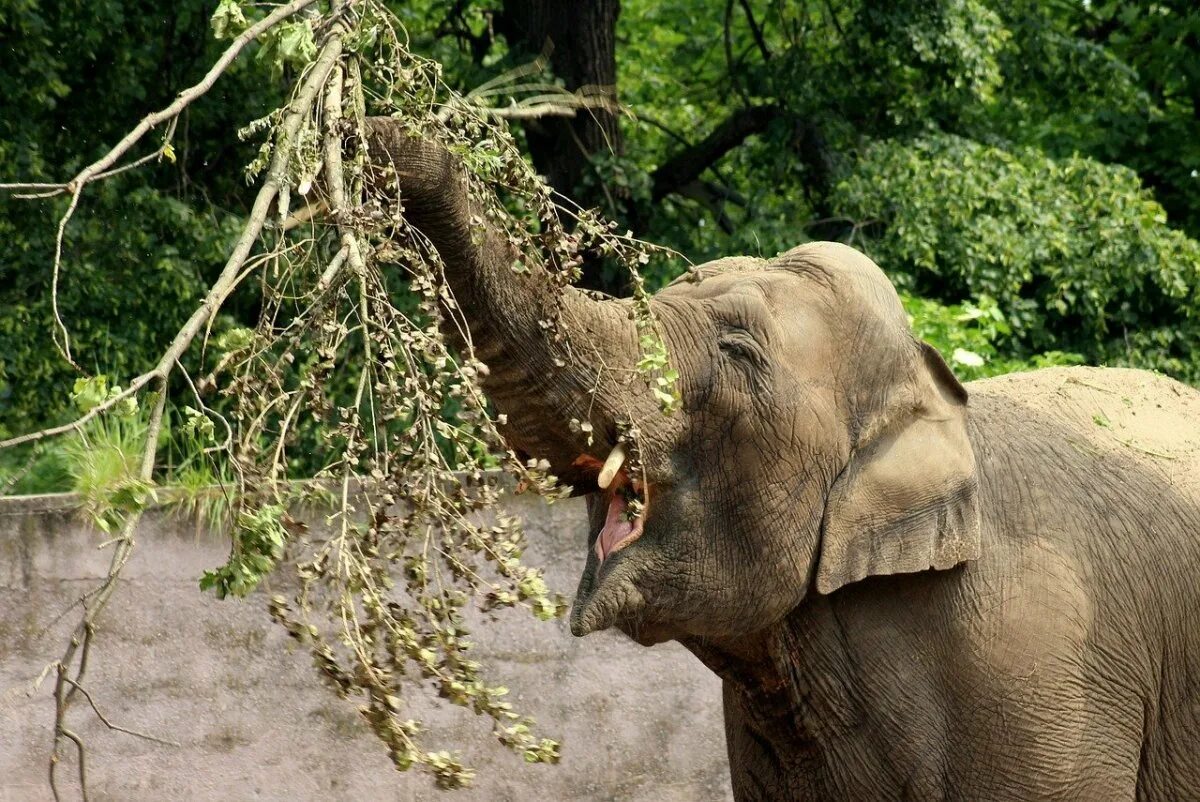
[539,380]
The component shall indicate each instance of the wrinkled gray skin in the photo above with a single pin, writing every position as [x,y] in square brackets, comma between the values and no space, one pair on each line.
[908,594]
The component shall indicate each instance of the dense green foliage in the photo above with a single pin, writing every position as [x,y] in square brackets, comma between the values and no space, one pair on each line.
[1076,253]
[74,77]
[1026,172]
[1038,160]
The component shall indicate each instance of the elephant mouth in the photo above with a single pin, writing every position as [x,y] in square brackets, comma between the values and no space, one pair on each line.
[606,591]
[624,519]
[628,502]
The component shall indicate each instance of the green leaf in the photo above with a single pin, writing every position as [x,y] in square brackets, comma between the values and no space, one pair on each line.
[227,22]
[235,339]
[197,425]
[90,391]
[288,44]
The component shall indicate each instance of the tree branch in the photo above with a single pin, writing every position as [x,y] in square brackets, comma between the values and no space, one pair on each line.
[687,165]
[550,100]
[67,685]
[757,31]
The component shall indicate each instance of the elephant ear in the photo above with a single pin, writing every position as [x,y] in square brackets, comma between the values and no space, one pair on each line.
[907,501]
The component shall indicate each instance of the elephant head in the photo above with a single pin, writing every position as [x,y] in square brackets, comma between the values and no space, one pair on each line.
[818,442]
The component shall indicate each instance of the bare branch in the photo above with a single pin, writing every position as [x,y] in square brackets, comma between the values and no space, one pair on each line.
[511,76]
[687,165]
[116,727]
[756,30]
[552,100]
[11,481]
[567,106]
[51,190]
[134,386]
[309,212]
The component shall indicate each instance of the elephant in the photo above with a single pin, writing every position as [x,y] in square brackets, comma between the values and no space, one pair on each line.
[911,588]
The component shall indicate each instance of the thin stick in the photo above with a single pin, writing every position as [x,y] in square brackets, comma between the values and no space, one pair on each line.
[116,727]
[51,190]
[78,423]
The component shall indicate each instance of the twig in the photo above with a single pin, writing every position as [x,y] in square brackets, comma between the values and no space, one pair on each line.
[1098,388]
[756,31]
[204,409]
[65,346]
[82,766]
[511,76]
[20,473]
[134,386]
[1143,449]
[552,100]
[116,727]
[51,190]
[536,111]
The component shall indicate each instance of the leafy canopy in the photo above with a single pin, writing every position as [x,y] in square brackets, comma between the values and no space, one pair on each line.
[1064,139]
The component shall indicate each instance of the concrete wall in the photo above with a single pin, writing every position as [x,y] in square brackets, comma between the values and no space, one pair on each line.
[254,722]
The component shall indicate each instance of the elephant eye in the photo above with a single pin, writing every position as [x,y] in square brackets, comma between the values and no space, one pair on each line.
[741,346]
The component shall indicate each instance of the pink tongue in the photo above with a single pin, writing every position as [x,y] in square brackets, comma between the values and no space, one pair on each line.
[617,527]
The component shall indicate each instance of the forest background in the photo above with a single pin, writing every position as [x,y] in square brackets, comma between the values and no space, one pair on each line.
[1027,173]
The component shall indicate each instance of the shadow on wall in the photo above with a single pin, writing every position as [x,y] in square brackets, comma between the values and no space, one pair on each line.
[253,720]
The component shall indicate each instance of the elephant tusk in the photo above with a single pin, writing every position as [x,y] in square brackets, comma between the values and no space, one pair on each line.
[616,458]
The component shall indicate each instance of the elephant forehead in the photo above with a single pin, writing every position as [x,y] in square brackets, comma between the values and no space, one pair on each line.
[849,276]
[767,293]
[833,275]
[708,283]
[719,267]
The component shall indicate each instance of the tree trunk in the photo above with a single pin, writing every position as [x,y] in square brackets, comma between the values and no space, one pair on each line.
[580,36]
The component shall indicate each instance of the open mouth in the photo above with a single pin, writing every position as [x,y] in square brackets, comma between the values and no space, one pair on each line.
[627,505]
[623,521]
[607,591]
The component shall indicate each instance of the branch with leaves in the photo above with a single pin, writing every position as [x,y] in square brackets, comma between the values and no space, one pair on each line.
[351,363]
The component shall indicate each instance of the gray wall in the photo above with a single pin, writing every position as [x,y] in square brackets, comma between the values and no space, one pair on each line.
[253,721]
